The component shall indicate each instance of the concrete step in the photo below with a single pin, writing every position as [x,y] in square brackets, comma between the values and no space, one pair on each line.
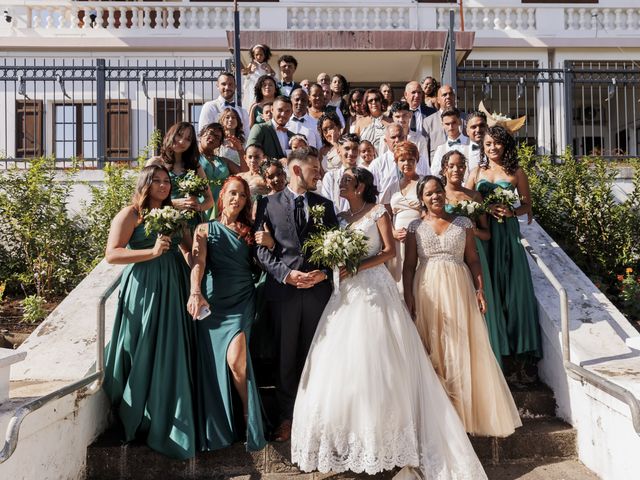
[561,469]
[534,401]
[107,459]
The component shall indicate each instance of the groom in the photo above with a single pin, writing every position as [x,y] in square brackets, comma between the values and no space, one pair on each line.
[297,291]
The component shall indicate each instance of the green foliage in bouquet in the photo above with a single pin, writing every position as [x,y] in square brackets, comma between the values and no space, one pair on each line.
[192,185]
[166,220]
[337,248]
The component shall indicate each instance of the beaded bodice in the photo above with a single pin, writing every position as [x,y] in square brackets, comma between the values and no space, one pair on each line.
[448,246]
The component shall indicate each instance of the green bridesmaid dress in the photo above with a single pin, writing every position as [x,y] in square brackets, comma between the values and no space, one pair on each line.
[512,287]
[148,371]
[493,317]
[217,172]
[228,286]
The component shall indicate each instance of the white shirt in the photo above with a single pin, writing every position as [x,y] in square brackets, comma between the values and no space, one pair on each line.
[422,167]
[331,189]
[444,148]
[473,158]
[283,138]
[306,201]
[419,119]
[308,128]
[211,113]
[386,176]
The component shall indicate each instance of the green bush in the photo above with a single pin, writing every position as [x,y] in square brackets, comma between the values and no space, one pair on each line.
[43,244]
[33,309]
[573,201]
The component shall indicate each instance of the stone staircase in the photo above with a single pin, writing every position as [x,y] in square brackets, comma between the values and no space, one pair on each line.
[544,448]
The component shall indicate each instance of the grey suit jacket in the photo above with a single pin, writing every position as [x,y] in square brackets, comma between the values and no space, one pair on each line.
[265,135]
[435,135]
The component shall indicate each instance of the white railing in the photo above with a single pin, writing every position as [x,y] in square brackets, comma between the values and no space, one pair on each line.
[152,17]
[606,20]
[349,18]
[477,19]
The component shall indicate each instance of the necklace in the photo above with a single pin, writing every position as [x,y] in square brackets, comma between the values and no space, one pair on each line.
[353,214]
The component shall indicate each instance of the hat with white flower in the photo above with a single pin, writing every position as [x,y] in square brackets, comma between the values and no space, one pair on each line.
[511,124]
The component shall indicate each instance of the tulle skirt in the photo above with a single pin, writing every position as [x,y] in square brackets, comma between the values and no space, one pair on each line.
[369,399]
[455,336]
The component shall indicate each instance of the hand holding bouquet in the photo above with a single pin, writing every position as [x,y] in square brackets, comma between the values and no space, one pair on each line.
[191,185]
[502,197]
[166,220]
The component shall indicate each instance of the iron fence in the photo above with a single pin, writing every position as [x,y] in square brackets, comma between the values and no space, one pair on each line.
[92,112]
[591,107]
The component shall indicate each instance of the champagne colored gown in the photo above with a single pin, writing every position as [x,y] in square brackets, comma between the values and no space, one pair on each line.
[454,333]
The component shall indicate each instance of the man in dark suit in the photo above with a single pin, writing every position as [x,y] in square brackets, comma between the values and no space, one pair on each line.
[288,66]
[274,136]
[297,291]
[432,125]
[414,95]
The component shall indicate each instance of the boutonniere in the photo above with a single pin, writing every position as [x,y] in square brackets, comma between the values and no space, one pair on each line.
[317,214]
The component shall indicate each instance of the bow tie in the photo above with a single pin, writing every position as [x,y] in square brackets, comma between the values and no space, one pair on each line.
[281,129]
[451,143]
[474,147]
[296,119]
[229,104]
[287,84]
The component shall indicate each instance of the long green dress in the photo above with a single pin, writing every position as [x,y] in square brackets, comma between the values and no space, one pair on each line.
[494,319]
[148,371]
[512,286]
[217,172]
[228,286]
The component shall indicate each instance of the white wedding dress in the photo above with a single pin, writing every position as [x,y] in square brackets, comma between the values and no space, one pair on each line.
[369,399]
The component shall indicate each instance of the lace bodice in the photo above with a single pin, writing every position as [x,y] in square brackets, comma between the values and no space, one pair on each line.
[448,246]
[367,225]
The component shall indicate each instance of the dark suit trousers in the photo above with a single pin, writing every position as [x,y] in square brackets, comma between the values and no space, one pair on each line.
[295,318]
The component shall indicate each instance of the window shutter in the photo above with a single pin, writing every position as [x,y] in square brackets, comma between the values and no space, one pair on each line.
[29,128]
[118,128]
[167,112]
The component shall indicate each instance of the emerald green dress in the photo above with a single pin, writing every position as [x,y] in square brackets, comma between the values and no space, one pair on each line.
[494,319]
[228,286]
[148,369]
[217,172]
[175,193]
[512,287]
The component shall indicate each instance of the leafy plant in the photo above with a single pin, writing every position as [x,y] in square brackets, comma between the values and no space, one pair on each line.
[33,309]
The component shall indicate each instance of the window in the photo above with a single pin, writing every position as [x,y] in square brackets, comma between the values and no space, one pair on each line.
[168,111]
[29,128]
[118,132]
[194,114]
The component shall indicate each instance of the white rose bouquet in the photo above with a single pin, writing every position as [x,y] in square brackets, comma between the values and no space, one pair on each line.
[337,248]
[469,208]
[501,196]
[192,185]
[166,220]
[317,214]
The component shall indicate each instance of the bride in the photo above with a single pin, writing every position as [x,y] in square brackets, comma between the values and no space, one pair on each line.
[369,399]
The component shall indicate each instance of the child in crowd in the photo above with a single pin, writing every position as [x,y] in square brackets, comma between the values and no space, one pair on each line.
[260,55]
[367,153]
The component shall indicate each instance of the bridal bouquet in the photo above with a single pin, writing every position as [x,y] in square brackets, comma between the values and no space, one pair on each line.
[337,248]
[501,196]
[166,220]
[192,185]
[469,208]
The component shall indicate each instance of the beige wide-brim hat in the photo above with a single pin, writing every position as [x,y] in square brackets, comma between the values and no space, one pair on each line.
[512,125]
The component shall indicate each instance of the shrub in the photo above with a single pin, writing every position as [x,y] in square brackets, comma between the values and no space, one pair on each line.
[33,309]
[44,245]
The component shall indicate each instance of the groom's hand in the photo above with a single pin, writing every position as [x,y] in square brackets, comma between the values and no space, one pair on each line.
[299,279]
[317,276]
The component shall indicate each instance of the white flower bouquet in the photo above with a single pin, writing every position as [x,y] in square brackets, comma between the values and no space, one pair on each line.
[501,196]
[317,214]
[469,208]
[337,248]
[192,185]
[166,220]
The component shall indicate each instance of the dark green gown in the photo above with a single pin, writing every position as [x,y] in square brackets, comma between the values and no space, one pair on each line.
[512,287]
[148,372]
[496,326]
[217,172]
[228,286]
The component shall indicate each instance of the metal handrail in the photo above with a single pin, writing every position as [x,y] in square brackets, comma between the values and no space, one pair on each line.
[92,382]
[574,370]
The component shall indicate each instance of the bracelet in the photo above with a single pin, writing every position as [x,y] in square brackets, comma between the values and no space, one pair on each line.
[479,290]
[195,293]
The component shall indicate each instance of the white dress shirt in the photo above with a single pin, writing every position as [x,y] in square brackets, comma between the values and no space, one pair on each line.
[331,189]
[211,113]
[283,138]
[307,127]
[461,142]
[422,167]
[473,158]
[306,200]
[386,176]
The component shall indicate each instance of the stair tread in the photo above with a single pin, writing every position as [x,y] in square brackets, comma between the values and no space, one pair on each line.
[561,469]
